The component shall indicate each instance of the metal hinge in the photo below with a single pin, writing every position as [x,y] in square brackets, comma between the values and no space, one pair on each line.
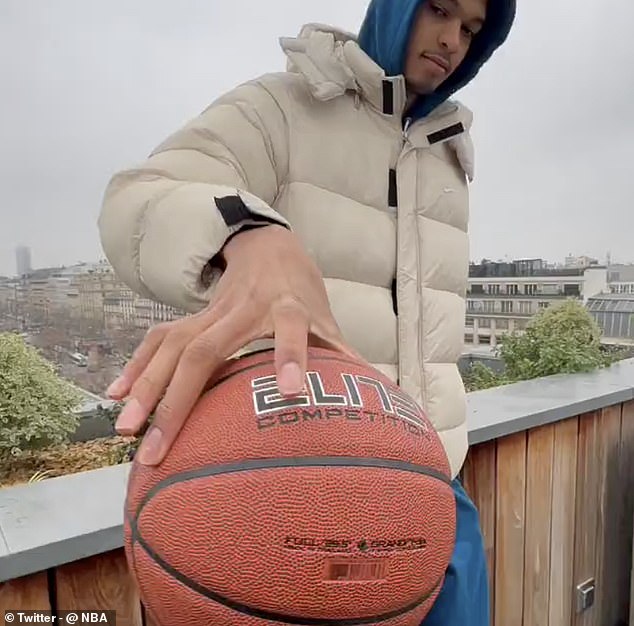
[585,595]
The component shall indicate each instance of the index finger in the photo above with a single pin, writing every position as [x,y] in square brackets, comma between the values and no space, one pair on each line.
[197,364]
[143,354]
[290,324]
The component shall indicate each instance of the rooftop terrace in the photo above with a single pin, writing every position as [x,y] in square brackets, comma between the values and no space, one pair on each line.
[551,469]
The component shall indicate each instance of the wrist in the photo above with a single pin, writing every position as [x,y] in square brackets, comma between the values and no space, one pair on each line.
[236,241]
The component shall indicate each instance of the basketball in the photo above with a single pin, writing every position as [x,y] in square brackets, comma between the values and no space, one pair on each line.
[330,508]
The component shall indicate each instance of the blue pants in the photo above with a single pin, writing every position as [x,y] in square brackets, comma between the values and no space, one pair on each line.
[464,598]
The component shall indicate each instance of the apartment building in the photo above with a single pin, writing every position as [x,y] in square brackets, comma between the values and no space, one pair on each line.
[621,279]
[123,309]
[118,304]
[572,261]
[502,297]
[7,288]
[13,298]
[150,312]
[89,295]
[38,294]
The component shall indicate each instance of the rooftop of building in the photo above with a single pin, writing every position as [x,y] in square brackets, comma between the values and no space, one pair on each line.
[621,273]
[612,303]
[526,268]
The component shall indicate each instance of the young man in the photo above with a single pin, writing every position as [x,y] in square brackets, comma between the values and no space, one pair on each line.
[328,205]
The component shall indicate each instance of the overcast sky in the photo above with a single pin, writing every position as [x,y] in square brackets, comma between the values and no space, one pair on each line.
[88,87]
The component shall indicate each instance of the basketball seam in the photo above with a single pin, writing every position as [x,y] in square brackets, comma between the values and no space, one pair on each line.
[290,462]
[272,615]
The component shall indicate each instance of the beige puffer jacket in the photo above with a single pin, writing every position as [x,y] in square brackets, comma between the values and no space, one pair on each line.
[320,148]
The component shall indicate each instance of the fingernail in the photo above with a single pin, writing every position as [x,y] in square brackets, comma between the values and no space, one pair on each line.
[150,448]
[117,388]
[131,418]
[290,381]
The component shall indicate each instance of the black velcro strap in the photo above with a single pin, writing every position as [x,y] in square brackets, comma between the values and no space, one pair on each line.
[392,190]
[388,97]
[233,210]
[394,297]
[445,133]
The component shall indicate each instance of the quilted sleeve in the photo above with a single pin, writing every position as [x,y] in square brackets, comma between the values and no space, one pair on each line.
[163,221]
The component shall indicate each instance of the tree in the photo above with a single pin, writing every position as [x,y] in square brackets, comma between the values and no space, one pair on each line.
[36,405]
[562,339]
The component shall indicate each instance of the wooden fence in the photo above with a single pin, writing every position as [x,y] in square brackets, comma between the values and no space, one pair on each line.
[557,509]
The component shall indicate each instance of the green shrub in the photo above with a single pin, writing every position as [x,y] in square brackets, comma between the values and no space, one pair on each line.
[36,405]
[562,339]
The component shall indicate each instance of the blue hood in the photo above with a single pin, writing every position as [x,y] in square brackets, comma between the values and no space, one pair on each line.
[384,37]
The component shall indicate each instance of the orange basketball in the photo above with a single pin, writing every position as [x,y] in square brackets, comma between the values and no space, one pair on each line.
[333,508]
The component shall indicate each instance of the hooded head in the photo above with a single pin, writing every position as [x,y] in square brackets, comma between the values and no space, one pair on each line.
[420,36]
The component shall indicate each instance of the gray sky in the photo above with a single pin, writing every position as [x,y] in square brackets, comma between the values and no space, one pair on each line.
[88,87]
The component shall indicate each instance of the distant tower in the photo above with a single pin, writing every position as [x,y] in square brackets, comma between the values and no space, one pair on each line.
[23,260]
[608,259]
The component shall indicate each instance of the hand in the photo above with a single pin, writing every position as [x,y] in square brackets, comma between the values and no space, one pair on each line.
[270,288]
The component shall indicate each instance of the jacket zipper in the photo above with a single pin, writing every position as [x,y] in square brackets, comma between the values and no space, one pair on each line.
[408,123]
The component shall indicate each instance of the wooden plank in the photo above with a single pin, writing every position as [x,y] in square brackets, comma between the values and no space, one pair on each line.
[510,530]
[29,593]
[480,484]
[632,595]
[626,525]
[468,472]
[100,582]
[539,487]
[586,512]
[611,559]
[562,543]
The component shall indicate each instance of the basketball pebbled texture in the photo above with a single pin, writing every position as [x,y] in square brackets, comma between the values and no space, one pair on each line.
[335,512]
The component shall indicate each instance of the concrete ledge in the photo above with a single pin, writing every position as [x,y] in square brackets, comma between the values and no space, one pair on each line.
[65,519]
[61,520]
[495,413]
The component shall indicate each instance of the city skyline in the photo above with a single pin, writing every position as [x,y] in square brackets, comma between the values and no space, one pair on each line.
[501,298]
[64,259]
[560,261]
